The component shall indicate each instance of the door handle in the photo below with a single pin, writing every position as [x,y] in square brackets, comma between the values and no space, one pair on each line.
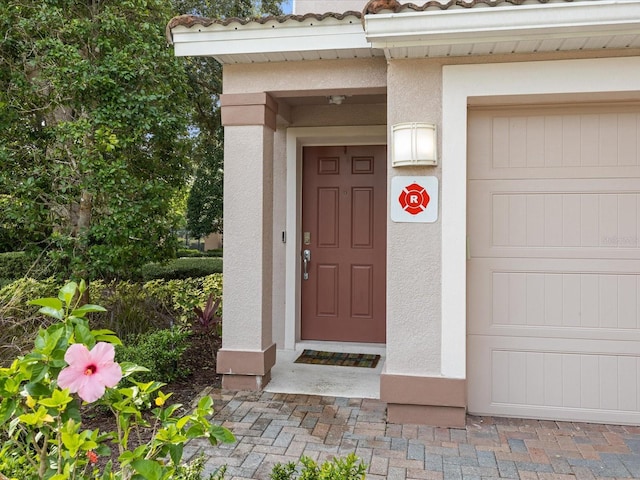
[306,259]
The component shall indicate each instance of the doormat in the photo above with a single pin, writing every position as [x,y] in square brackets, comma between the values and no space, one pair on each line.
[316,357]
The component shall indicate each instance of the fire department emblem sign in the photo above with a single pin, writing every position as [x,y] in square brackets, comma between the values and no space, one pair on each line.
[414,199]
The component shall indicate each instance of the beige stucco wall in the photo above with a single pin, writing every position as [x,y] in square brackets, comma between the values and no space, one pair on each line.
[248,214]
[413,249]
[331,76]
[414,293]
[213,241]
[287,80]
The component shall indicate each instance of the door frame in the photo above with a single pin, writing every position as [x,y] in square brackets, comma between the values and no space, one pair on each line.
[476,84]
[297,138]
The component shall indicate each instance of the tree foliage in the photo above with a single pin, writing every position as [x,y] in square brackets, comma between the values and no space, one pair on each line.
[100,128]
[204,204]
[93,132]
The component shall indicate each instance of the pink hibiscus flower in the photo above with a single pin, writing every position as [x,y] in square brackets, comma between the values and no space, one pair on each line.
[89,372]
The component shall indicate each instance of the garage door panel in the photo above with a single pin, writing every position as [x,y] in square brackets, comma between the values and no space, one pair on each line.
[541,378]
[563,297]
[603,143]
[597,218]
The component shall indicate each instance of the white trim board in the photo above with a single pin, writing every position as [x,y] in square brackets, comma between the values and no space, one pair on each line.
[460,84]
[298,137]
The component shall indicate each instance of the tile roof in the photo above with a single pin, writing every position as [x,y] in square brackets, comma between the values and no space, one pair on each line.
[379,6]
[189,21]
[372,7]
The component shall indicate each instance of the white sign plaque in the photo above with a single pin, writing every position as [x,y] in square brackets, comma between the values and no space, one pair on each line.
[414,199]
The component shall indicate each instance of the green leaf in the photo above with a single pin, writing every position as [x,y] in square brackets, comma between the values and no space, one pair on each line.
[83,335]
[149,469]
[38,371]
[87,308]
[58,399]
[72,412]
[37,389]
[175,452]
[59,476]
[7,408]
[54,303]
[67,293]
[105,335]
[221,434]
[52,312]
[205,404]
[128,368]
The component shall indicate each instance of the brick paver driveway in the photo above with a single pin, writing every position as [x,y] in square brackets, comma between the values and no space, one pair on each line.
[273,428]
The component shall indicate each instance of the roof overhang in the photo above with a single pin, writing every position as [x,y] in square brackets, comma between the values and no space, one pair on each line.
[417,32]
[308,39]
[580,25]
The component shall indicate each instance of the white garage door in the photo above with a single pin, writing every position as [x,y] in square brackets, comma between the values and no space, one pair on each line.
[554,269]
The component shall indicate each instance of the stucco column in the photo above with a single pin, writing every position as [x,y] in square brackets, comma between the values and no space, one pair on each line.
[248,351]
[412,383]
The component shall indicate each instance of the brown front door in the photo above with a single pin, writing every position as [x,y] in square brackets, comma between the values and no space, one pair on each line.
[344,231]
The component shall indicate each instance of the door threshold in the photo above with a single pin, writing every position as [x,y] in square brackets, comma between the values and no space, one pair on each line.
[342,347]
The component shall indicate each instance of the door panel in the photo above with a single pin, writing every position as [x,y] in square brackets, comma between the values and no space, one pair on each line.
[344,220]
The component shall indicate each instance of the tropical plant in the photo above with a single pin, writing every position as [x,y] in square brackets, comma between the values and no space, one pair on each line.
[206,318]
[41,417]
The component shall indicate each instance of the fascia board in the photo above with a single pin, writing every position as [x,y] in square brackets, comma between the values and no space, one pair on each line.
[491,24]
[238,41]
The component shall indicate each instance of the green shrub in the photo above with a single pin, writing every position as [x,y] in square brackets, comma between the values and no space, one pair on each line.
[14,265]
[192,252]
[133,309]
[19,322]
[159,351]
[43,435]
[181,268]
[189,252]
[347,468]
[194,470]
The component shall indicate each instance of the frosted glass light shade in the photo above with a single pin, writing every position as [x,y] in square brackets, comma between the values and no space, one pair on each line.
[413,144]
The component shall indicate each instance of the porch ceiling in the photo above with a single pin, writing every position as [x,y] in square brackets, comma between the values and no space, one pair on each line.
[409,31]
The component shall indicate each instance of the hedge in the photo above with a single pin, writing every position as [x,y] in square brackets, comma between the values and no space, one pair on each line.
[181,268]
[192,252]
[15,265]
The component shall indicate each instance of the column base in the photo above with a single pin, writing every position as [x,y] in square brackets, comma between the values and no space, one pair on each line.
[436,401]
[246,369]
[427,415]
[247,383]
